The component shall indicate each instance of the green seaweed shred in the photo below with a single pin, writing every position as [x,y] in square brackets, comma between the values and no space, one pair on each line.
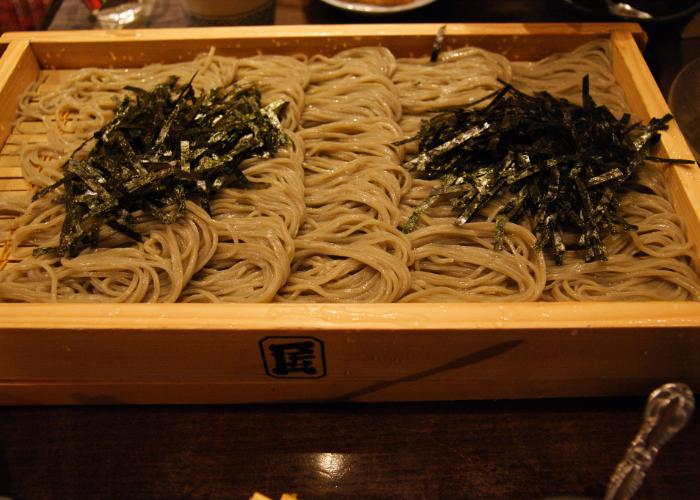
[162,148]
[559,163]
[437,43]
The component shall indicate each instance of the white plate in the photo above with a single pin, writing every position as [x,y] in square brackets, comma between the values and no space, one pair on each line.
[363,8]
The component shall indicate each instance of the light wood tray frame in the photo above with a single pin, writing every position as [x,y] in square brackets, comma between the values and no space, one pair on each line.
[196,353]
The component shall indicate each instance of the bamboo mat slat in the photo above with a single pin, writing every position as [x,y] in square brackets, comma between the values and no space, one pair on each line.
[10,171]
[13,185]
[9,160]
[9,149]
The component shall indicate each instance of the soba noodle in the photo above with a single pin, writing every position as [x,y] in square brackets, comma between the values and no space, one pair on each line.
[654,263]
[349,248]
[322,221]
[241,252]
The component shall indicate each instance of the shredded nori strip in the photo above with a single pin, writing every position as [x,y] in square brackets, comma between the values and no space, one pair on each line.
[160,149]
[437,43]
[561,164]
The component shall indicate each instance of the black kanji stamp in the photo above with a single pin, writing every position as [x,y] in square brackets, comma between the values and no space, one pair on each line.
[293,357]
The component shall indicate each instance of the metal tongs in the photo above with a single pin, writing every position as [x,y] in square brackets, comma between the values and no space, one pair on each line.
[668,410]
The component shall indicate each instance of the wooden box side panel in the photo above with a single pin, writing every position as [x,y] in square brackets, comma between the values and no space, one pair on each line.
[120,367]
[18,69]
[219,353]
[529,350]
[130,48]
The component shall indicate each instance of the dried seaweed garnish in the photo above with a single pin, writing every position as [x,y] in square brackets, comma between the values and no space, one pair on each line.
[437,43]
[559,163]
[160,149]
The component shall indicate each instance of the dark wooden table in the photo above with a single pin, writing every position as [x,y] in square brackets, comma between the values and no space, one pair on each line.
[469,450]
[507,449]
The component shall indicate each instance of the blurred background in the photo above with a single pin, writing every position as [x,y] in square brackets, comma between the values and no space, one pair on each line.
[25,15]
[673,26]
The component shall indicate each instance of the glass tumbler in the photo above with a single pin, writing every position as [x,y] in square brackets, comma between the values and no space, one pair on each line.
[116,14]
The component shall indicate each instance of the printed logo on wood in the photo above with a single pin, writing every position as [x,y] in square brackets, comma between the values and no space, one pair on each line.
[293,357]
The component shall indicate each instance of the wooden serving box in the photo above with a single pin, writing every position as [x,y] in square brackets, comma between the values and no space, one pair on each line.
[225,353]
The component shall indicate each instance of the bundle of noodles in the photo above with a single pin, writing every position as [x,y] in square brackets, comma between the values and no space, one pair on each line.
[561,75]
[155,270]
[653,263]
[67,113]
[455,263]
[256,227]
[349,248]
[250,246]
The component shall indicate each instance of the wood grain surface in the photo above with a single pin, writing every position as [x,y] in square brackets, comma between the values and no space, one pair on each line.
[476,450]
